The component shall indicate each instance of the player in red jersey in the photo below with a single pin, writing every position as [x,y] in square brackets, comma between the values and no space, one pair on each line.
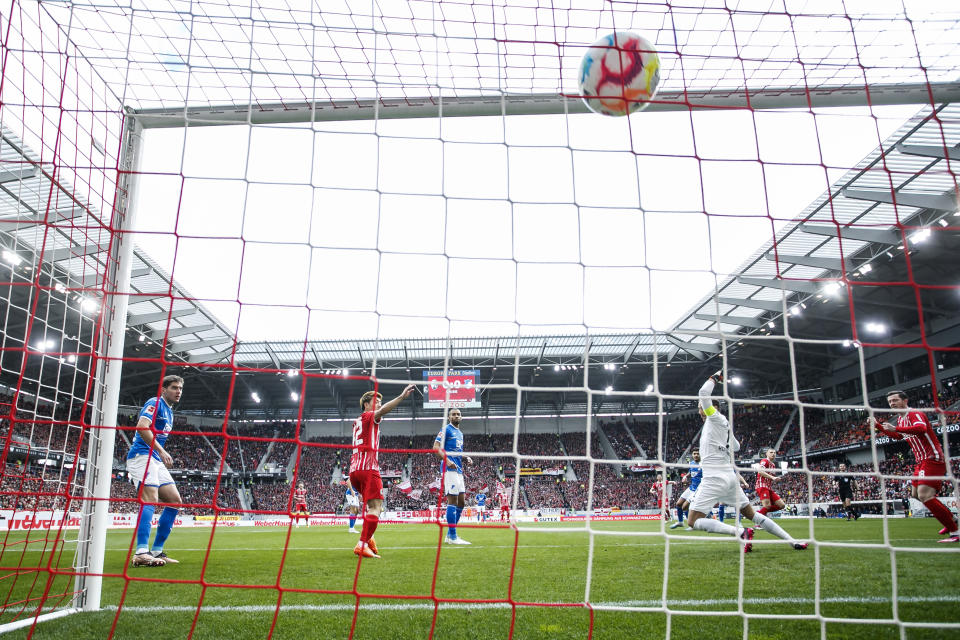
[914,427]
[661,490]
[300,509]
[364,466]
[769,498]
[504,501]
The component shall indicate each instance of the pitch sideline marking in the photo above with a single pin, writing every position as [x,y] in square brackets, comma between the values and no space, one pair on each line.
[253,608]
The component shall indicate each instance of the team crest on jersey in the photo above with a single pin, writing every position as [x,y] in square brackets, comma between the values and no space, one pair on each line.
[150,409]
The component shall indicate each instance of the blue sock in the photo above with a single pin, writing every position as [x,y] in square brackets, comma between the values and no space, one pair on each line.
[721,509]
[452,521]
[353,521]
[143,528]
[164,525]
[679,515]
[459,511]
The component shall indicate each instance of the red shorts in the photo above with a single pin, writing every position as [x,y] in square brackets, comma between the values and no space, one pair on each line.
[929,468]
[368,484]
[767,494]
[302,506]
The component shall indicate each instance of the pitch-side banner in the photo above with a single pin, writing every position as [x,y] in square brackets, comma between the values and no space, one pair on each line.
[458,391]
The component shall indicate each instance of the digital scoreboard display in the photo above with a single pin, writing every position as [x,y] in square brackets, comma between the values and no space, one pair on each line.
[457,391]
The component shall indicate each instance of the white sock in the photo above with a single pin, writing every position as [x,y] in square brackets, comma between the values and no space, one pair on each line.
[715,526]
[768,525]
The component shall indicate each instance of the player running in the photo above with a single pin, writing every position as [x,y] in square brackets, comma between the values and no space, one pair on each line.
[845,489]
[769,498]
[693,477]
[365,466]
[449,446]
[353,506]
[300,509]
[720,482]
[147,464]
[914,427]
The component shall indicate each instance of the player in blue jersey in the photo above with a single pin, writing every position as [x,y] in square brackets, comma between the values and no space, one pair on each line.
[449,446]
[481,507]
[353,506]
[693,477]
[147,464]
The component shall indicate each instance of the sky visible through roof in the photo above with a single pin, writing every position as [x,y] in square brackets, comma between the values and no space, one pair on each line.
[482,226]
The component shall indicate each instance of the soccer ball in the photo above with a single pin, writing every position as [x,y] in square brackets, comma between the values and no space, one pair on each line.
[619,74]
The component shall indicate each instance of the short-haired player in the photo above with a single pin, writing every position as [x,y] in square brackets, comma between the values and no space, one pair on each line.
[845,489]
[770,500]
[365,466]
[720,482]
[693,478]
[914,427]
[481,501]
[147,464]
[300,509]
[353,506]
[449,446]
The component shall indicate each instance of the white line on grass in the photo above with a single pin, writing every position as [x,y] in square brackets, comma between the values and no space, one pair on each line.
[375,606]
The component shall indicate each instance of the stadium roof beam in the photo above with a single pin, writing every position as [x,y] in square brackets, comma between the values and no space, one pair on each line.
[697,349]
[633,347]
[176,332]
[158,316]
[880,236]
[944,203]
[40,217]
[94,279]
[272,354]
[767,305]
[209,358]
[543,349]
[832,264]
[67,253]
[930,151]
[316,356]
[198,344]
[740,321]
[19,173]
[781,283]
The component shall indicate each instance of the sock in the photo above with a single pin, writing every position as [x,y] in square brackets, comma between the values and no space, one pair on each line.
[370,523]
[942,514]
[762,511]
[143,528]
[715,526]
[770,526]
[679,515]
[721,513]
[164,526]
[459,511]
[353,521]
[452,521]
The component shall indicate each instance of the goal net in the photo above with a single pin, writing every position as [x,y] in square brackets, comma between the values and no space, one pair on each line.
[289,204]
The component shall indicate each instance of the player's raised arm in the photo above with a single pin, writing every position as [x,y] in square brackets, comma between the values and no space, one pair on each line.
[389,406]
[706,403]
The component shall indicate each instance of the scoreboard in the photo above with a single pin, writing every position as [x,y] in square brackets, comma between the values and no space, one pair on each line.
[457,391]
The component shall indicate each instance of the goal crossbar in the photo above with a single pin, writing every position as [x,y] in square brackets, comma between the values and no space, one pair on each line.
[543,104]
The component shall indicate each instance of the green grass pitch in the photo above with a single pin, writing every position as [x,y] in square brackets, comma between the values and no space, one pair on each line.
[552,560]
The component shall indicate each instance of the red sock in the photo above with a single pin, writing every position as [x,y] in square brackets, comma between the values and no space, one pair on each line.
[942,514]
[370,523]
[762,510]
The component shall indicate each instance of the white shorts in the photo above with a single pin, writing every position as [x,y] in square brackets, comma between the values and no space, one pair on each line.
[353,501]
[723,487]
[688,495]
[157,474]
[453,483]
[481,508]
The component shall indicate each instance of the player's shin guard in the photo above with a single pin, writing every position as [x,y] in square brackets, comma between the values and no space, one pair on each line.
[715,526]
[941,513]
[679,515]
[164,526]
[143,528]
[370,523]
[452,521]
[770,526]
